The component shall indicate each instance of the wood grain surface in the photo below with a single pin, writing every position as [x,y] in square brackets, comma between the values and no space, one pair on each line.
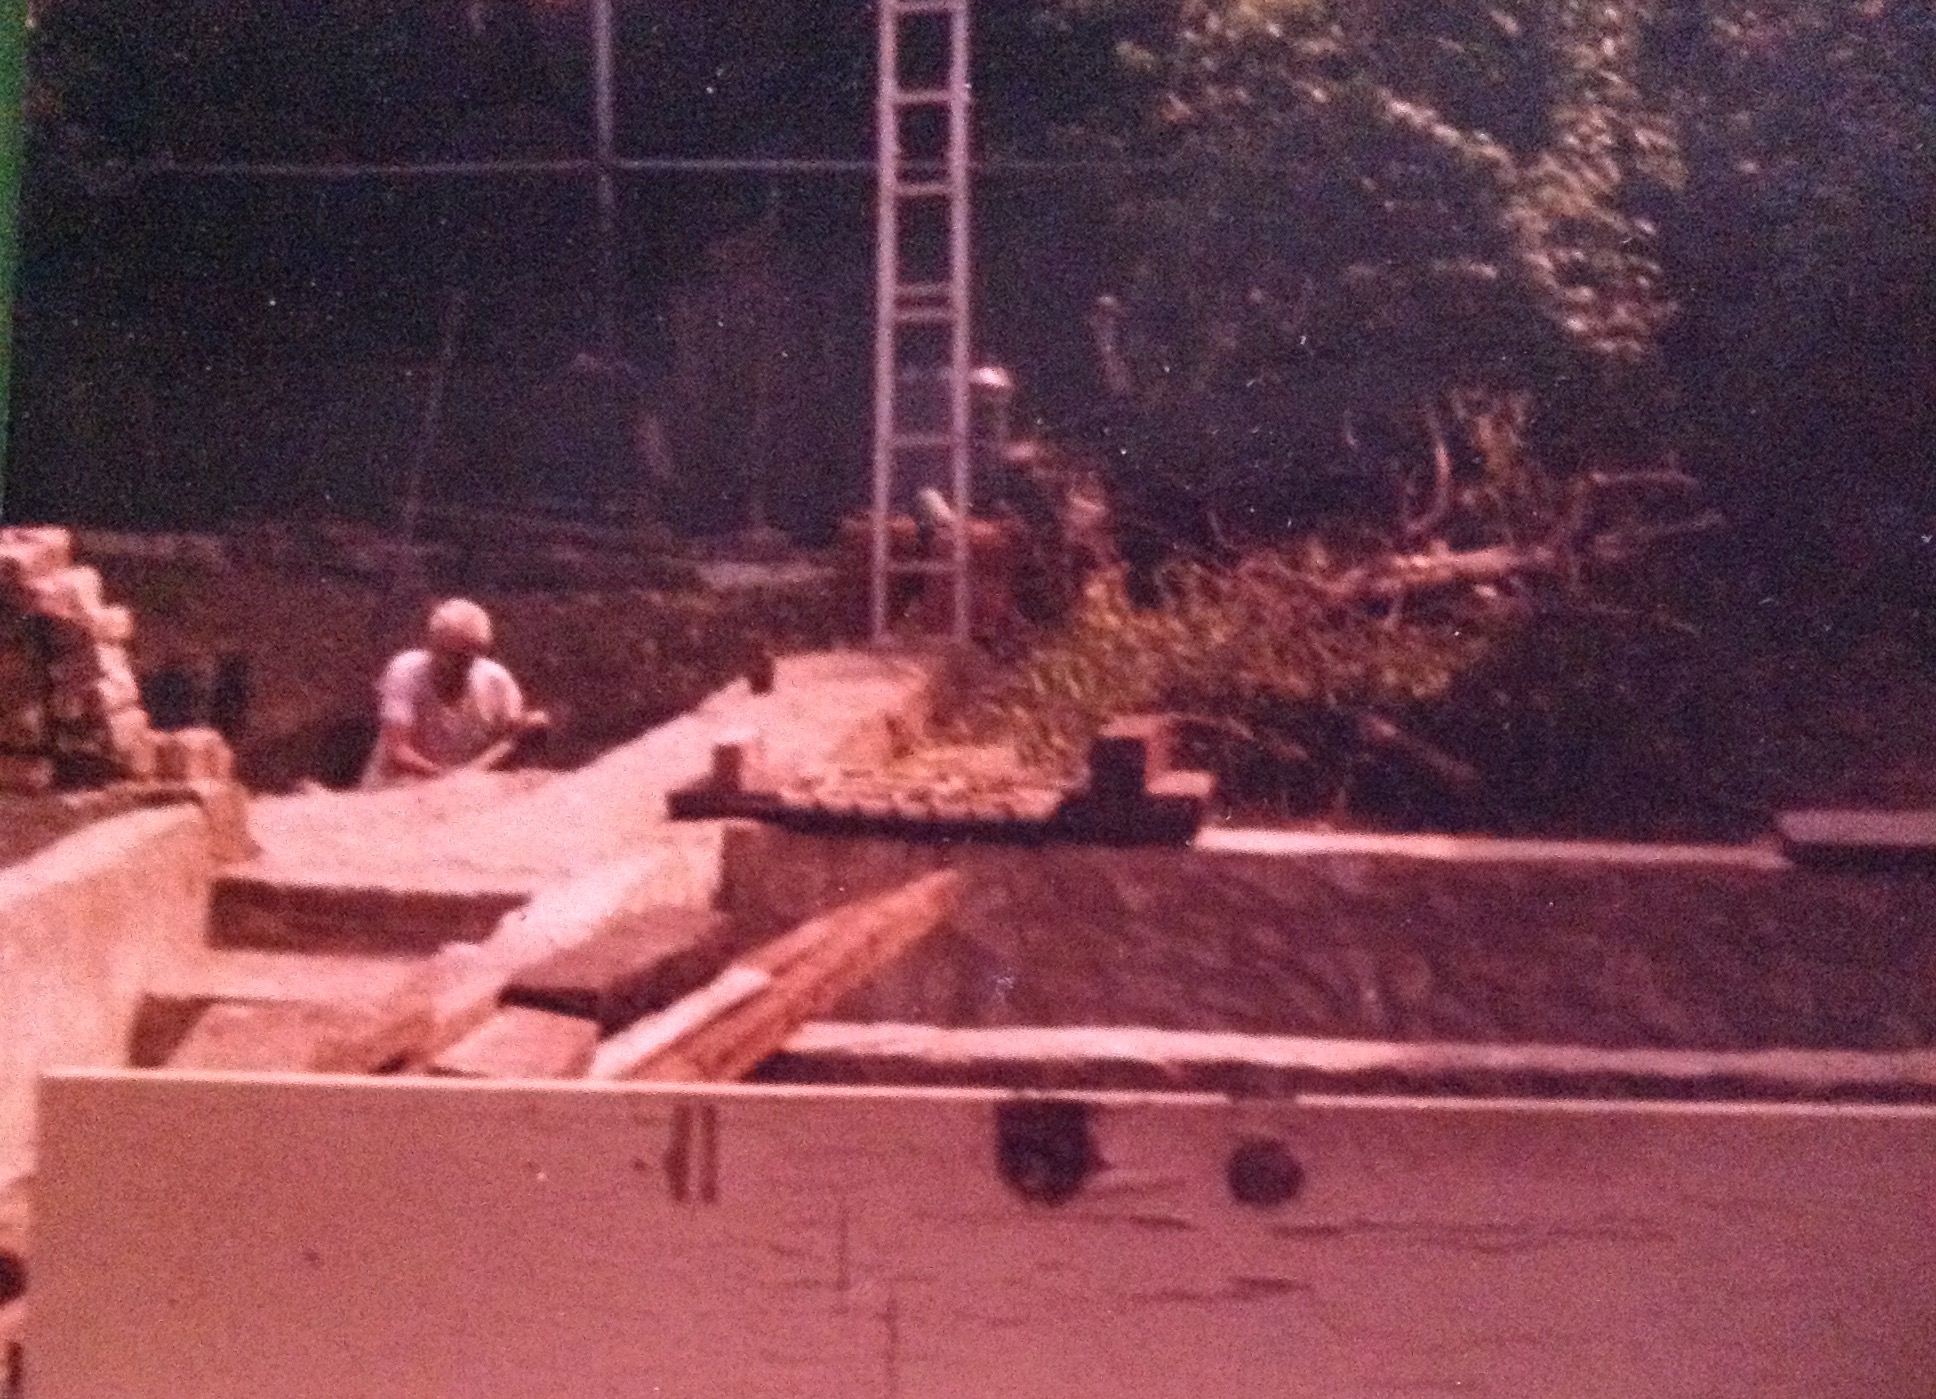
[229,1237]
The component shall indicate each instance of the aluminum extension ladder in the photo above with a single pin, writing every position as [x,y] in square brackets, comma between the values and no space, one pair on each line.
[921,344]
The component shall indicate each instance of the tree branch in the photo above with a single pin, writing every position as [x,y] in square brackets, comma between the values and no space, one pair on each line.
[1426,525]
[1379,732]
[1636,480]
[1406,574]
[1106,323]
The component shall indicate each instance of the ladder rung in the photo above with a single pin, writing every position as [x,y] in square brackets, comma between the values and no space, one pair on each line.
[919,291]
[927,7]
[922,97]
[922,189]
[923,315]
[917,441]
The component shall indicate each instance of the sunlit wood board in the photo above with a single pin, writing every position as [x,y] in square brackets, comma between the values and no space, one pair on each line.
[228,1237]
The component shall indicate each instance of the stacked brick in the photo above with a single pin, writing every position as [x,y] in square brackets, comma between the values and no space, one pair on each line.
[70,708]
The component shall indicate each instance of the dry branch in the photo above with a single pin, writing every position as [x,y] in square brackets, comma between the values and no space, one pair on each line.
[1406,574]
[1433,520]
[1666,478]
[1380,732]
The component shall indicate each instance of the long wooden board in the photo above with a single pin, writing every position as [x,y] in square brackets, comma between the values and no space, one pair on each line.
[519,1042]
[230,1237]
[301,1036]
[725,1028]
[628,970]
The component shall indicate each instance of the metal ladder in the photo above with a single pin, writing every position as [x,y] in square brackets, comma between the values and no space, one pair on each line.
[922,285]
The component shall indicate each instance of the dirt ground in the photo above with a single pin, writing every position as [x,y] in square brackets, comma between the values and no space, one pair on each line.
[1760,714]
[303,648]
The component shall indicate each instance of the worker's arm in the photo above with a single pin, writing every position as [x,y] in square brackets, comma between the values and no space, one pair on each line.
[515,726]
[516,719]
[400,754]
[506,748]
[398,693]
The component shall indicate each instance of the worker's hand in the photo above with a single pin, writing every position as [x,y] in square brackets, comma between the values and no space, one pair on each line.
[403,755]
[533,719]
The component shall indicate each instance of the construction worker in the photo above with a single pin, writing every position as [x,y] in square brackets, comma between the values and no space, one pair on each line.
[446,706]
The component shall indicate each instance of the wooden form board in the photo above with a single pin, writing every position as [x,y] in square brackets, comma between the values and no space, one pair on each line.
[229,1237]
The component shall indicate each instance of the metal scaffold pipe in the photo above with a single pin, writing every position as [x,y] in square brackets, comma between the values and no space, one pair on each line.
[605,151]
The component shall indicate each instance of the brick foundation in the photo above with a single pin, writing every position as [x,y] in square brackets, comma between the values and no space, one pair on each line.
[70,710]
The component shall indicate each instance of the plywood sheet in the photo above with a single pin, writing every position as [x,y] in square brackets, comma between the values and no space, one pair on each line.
[229,1237]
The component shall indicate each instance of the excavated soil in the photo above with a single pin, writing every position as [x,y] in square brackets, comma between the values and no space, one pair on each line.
[284,660]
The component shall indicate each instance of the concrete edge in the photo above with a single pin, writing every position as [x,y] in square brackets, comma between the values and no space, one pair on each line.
[1104,1057]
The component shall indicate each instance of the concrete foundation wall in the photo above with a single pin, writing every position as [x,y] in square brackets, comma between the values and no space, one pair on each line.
[1618,947]
[83,926]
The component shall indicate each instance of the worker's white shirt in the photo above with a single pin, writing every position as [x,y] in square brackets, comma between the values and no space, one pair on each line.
[487,709]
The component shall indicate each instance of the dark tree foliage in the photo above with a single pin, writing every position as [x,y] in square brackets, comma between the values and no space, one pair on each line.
[1667,218]
[1805,245]
[1496,282]
[1356,207]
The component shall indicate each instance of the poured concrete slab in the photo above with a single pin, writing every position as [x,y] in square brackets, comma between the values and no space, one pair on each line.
[317,915]
[250,975]
[85,925]
[175,1000]
[295,1037]
[1117,1058]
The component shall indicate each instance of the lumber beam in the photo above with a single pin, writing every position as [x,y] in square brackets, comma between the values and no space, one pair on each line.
[294,1037]
[625,972]
[799,1243]
[727,1027]
[521,1043]
[1861,841]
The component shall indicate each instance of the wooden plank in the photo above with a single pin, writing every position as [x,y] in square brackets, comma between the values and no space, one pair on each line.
[1888,829]
[1859,839]
[298,1037]
[1087,1057]
[751,1008]
[628,971]
[658,1034]
[464,983]
[423,1236]
[519,1042]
